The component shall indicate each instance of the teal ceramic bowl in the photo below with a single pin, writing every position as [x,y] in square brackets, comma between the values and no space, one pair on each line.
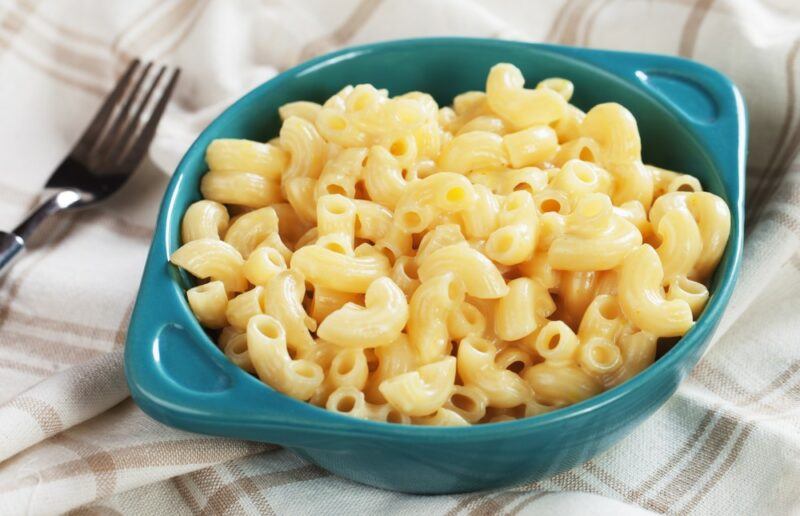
[691,119]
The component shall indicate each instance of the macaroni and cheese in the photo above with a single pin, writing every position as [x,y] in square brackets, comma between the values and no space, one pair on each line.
[396,261]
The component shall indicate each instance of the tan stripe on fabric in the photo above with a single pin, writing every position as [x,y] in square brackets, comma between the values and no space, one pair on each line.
[571,481]
[552,33]
[50,70]
[147,10]
[65,56]
[465,503]
[608,479]
[691,28]
[783,218]
[569,36]
[723,469]
[675,459]
[250,489]
[155,454]
[496,504]
[25,368]
[97,460]
[46,415]
[122,330]
[47,323]
[696,467]
[357,18]
[162,26]
[532,498]
[224,497]
[187,29]
[186,494]
[14,25]
[50,349]
[94,510]
[63,30]
[592,18]
[758,200]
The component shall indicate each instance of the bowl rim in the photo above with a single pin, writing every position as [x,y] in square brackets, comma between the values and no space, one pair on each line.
[353,426]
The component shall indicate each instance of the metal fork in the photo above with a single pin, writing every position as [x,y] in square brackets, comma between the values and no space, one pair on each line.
[105,156]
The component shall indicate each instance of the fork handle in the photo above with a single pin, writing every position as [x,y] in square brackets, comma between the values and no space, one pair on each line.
[10,246]
[12,243]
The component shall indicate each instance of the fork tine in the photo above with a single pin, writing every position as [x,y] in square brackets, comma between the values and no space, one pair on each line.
[95,128]
[145,136]
[133,123]
[114,129]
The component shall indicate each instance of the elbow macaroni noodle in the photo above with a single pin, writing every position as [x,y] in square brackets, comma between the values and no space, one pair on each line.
[395,261]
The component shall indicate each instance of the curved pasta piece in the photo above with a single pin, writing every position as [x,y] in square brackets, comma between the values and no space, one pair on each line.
[480,276]
[444,192]
[378,323]
[242,188]
[596,239]
[212,258]
[614,128]
[302,108]
[263,159]
[429,309]
[283,300]
[336,126]
[714,221]
[507,96]
[474,150]
[305,146]
[422,391]
[266,344]
[681,244]
[476,367]
[561,385]
[383,177]
[208,303]
[442,417]
[516,314]
[642,299]
[204,219]
[337,271]
[340,174]
[250,229]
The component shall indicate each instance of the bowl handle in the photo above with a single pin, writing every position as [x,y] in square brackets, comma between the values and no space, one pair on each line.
[178,377]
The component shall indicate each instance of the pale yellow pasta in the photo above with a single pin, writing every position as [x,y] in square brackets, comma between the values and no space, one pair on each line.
[383,177]
[214,259]
[263,264]
[266,344]
[480,276]
[404,275]
[429,309]
[695,294]
[561,385]
[515,241]
[422,391]
[233,155]
[475,150]
[681,244]
[515,314]
[250,229]
[531,146]
[422,200]
[242,188]
[481,220]
[465,320]
[477,368]
[335,126]
[204,219]
[233,343]
[642,298]
[305,146]
[581,148]
[595,237]
[283,299]
[377,323]
[208,303]
[400,262]
[301,194]
[507,96]
[372,220]
[338,271]
[302,109]
[340,174]
[241,308]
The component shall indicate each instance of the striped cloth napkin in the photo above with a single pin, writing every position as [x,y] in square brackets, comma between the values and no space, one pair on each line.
[71,438]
